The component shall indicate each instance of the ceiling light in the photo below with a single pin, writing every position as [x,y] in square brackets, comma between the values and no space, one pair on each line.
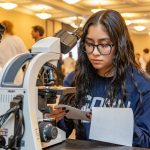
[140,21]
[8,6]
[98,2]
[96,10]
[139,28]
[43,15]
[71,1]
[129,15]
[39,7]
[128,22]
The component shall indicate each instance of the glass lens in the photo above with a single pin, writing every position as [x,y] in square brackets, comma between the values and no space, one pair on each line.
[89,47]
[104,49]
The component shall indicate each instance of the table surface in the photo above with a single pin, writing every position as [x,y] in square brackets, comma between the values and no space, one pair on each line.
[89,145]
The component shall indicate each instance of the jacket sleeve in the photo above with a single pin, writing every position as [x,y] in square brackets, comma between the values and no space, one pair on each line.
[141,137]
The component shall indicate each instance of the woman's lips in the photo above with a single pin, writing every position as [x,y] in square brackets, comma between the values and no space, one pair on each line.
[95,61]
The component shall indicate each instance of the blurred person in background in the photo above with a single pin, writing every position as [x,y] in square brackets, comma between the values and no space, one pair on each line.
[60,71]
[11,45]
[37,32]
[69,64]
[2,29]
[148,67]
[145,58]
[137,58]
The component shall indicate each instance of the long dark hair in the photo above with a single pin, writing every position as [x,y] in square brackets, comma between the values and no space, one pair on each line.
[123,59]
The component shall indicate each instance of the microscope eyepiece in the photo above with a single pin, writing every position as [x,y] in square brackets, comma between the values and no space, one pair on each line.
[68,40]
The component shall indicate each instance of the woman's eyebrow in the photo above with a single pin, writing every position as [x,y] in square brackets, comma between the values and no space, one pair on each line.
[89,39]
[107,39]
[104,38]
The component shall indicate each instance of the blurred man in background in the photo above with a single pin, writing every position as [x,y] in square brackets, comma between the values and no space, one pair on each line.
[37,32]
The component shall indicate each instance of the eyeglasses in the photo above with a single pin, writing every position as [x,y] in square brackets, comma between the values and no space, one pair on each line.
[104,49]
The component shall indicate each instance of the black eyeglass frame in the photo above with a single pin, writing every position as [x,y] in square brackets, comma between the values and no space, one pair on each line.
[93,45]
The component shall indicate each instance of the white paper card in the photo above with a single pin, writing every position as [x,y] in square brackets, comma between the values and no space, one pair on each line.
[112,125]
[74,113]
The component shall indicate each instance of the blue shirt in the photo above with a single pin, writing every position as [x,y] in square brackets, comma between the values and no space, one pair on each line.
[98,96]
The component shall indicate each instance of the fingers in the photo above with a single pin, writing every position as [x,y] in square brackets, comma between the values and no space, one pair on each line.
[89,115]
[57,114]
[60,116]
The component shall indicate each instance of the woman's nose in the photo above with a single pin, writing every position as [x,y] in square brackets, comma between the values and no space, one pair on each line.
[96,51]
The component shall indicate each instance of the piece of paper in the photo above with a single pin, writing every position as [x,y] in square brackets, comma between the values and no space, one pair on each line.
[112,125]
[74,113]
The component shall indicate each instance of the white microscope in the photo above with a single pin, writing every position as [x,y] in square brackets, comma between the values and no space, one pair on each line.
[22,106]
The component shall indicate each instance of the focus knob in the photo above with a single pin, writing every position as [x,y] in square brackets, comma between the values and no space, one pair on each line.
[47,131]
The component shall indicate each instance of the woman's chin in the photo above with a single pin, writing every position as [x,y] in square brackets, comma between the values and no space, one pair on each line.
[97,66]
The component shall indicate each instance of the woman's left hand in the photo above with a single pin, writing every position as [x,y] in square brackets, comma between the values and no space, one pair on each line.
[89,115]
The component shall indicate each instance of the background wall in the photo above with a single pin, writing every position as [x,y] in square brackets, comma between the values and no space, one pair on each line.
[140,42]
[23,25]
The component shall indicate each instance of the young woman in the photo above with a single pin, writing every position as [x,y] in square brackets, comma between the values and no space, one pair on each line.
[107,75]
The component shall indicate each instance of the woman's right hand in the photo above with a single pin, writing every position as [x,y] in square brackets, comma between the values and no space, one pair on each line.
[57,114]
